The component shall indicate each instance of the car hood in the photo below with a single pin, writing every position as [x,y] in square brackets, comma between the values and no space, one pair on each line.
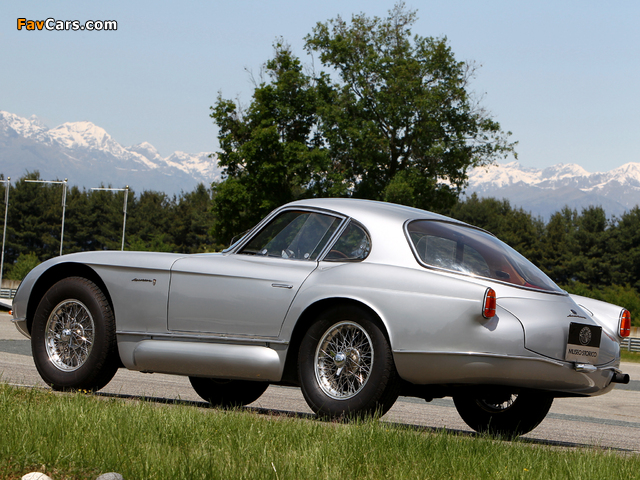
[546,320]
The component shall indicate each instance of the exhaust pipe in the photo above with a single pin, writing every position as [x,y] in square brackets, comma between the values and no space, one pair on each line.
[620,378]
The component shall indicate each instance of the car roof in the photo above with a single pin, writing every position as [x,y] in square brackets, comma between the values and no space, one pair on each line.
[367,210]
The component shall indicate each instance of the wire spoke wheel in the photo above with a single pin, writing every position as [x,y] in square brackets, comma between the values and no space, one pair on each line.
[73,336]
[503,413]
[69,335]
[344,359]
[345,365]
[497,404]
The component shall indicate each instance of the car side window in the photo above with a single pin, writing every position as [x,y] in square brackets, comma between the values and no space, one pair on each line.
[353,245]
[293,234]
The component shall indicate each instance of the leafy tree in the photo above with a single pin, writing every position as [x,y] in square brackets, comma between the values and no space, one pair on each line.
[401,124]
[269,152]
[193,221]
[398,124]
[24,264]
[625,249]
[35,212]
[558,246]
[624,296]
[151,223]
[592,262]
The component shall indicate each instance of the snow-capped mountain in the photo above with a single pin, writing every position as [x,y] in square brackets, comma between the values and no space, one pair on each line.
[546,191]
[88,156]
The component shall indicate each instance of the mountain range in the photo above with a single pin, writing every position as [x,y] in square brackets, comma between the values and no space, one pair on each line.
[89,157]
[543,192]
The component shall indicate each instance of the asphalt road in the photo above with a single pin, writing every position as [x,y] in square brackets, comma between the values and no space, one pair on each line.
[607,421]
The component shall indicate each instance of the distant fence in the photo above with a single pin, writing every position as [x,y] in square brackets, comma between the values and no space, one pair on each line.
[8,292]
[630,344]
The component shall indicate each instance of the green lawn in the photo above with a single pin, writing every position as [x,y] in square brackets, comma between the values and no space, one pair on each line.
[74,436]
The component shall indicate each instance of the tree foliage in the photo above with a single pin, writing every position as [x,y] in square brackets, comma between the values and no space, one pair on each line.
[398,123]
[269,152]
[585,252]
[93,221]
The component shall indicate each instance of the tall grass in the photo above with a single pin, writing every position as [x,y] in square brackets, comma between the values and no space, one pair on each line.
[80,436]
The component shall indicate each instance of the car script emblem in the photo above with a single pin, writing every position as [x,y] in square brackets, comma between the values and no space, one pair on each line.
[575,314]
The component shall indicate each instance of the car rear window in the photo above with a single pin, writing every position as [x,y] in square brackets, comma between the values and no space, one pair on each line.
[471,251]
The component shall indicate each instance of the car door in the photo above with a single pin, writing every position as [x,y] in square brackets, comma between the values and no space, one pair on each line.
[248,292]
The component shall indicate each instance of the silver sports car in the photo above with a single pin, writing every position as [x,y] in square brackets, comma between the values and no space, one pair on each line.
[356,302]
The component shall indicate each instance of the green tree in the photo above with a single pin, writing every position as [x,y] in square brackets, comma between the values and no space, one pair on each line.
[397,124]
[24,264]
[193,221]
[625,249]
[400,123]
[150,224]
[270,152]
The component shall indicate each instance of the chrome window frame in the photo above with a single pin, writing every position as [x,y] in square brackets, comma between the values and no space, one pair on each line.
[240,244]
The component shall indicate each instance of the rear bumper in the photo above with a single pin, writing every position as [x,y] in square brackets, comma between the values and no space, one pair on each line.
[472,368]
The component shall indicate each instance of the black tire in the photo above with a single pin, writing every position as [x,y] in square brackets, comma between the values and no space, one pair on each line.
[346,366]
[228,393]
[73,337]
[503,413]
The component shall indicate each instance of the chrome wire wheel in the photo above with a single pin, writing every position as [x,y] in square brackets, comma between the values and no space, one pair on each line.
[497,404]
[69,335]
[343,360]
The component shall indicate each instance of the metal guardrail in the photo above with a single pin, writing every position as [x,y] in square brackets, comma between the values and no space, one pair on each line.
[8,292]
[630,344]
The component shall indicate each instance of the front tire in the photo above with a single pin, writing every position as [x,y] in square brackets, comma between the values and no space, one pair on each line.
[503,413]
[73,337]
[346,366]
[228,393]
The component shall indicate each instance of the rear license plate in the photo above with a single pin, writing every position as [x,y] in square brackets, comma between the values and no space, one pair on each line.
[583,344]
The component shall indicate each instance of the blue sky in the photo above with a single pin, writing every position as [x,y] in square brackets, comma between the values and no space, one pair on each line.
[562,76]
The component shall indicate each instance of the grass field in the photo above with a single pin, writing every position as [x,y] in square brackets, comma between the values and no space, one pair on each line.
[77,436]
[629,356]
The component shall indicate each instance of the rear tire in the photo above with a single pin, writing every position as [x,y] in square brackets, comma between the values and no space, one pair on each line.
[504,413]
[73,337]
[346,365]
[228,393]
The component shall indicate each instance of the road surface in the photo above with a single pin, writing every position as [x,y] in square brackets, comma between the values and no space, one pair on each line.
[607,421]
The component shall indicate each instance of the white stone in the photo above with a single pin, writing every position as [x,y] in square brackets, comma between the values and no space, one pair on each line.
[110,476]
[36,476]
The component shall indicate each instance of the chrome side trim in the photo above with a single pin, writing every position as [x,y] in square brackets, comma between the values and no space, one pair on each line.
[211,360]
[487,355]
[205,337]
[282,285]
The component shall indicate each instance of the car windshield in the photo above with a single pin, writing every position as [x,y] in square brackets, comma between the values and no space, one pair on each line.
[474,252]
